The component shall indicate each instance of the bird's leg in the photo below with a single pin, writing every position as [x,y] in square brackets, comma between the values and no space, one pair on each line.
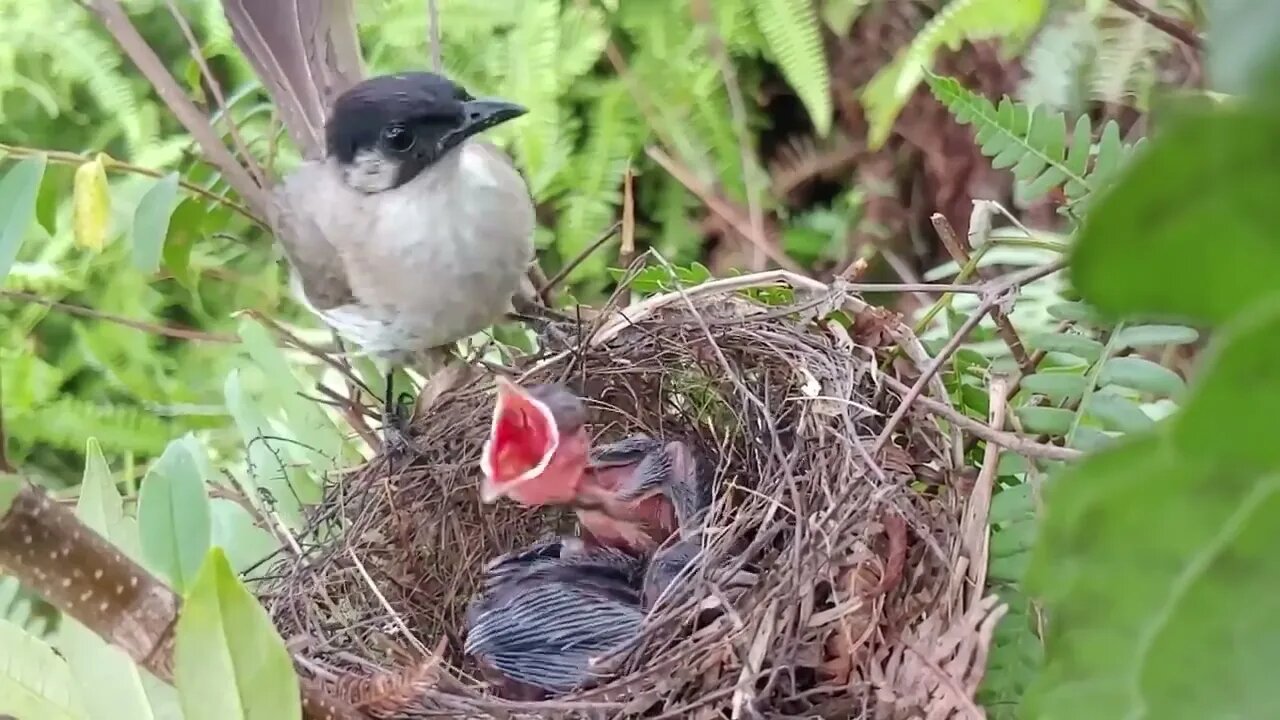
[395,421]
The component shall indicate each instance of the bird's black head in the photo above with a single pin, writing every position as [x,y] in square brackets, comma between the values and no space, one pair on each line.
[387,129]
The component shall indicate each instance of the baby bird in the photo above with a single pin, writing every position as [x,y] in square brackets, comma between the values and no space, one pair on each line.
[548,612]
[631,494]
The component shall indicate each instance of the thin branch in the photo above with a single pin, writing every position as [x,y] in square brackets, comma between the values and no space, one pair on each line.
[1163,23]
[1004,328]
[152,328]
[975,528]
[738,113]
[117,22]
[215,89]
[994,296]
[720,207]
[1013,442]
[60,157]
[587,252]
[49,550]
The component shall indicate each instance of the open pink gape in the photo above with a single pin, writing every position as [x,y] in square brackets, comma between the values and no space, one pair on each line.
[526,458]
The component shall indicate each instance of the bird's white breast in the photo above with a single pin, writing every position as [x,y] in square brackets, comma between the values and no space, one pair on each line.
[437,259]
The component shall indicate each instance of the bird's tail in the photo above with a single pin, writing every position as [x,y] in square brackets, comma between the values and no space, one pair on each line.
[305,52]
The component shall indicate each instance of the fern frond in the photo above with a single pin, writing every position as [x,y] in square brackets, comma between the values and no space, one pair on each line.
[1034,142]
[68,422]
[1055,61]
[961,20]
[795,42]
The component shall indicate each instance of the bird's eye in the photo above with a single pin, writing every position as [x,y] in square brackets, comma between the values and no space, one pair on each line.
[397,138]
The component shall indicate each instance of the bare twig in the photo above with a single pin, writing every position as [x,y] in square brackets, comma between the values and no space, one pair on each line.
[993,297]
[1004,328]
[720,207]
[1163,23]
[627,252]
[48,549]
[215,89]
[152,328]
[117,22]
[1024,446]
[110,164]
[587,252]
[975,531]
[395,616]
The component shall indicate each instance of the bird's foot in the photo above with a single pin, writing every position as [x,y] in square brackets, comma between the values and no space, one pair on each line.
[395,427]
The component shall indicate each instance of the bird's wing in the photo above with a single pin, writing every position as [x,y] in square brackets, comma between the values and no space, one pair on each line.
[665,567]
[624,452]
[548,634]
[305,52]
[314,259]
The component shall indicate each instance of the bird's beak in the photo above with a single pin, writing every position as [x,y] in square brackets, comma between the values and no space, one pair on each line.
[523,437]
[480,115]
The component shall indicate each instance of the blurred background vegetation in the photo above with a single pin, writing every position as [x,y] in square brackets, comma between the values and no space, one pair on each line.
[760,133]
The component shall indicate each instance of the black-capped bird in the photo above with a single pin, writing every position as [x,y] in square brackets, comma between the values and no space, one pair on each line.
[405,232]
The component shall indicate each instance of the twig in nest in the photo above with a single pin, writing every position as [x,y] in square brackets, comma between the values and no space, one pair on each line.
[995,296]
[152,328]
[395,616]
[1016,443]
[721,207]
[975,532]
[48,549]
[1163,23]
[1004,328]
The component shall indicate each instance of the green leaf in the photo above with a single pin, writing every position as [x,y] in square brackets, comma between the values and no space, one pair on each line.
[1141,374]
[1148,559]
[1242,43]
[319,440]
[237,533]
[1065,342]
[1117,412]
[18,191]
[1051,421]
[266,471]
[1146,246]
[101,506]
[1056,385]
[795,41]
[1138,336]
[1076,312]
[229,661]
[173,515]
[35,683]
[1011,504]
[104,673]
[151,222]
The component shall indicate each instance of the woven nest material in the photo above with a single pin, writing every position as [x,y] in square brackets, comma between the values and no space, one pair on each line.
[838,578]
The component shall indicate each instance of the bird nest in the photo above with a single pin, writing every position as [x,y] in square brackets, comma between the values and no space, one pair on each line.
[838,575]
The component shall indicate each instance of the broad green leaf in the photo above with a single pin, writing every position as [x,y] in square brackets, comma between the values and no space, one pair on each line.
[1056,385]
[1078,345]
[1138,336]
[1148,246]
[266,473]
[101,506]
[151,222]
[173,515]
[230,663]
[103,673]
[18,190]
[163,697]
[1052,421]
[1148,560]
[1117,412]
[1141,374]
[25,609]
[35,683]
[319,441]
[1076,312]
[234,530]
[1011,503]
[1231,415]
[91,205]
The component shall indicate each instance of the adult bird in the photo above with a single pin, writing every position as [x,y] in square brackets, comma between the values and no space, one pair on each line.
[405,232]
[547,613]
[631,494]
